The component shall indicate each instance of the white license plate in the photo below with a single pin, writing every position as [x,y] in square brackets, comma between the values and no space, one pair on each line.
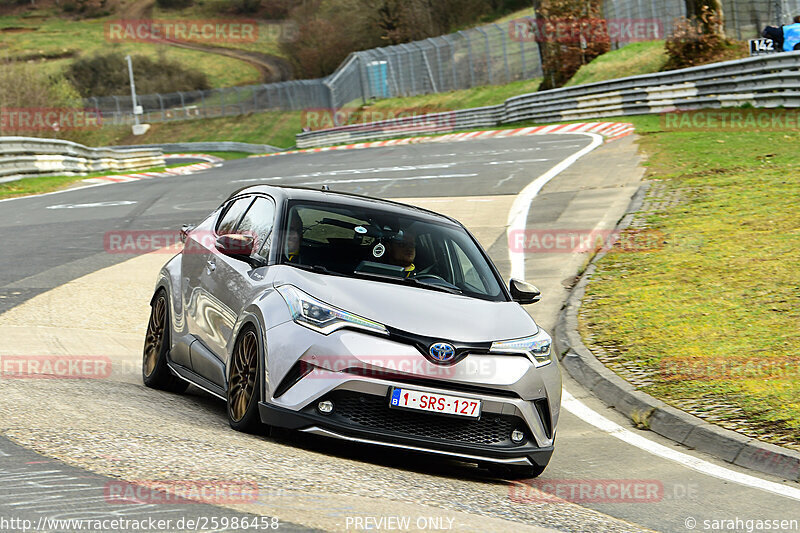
[435,403]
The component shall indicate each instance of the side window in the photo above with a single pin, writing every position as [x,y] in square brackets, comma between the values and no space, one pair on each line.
[258,222]
[232,215]
[469,274]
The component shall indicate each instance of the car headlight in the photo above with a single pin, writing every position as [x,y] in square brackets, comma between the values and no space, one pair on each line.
[324,318]
[537,348]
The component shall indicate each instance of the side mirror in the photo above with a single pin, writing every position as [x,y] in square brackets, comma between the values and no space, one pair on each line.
[185,230]
[524,293]
[236,246]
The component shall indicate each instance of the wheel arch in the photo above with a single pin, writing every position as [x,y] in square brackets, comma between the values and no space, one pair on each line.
[251,317]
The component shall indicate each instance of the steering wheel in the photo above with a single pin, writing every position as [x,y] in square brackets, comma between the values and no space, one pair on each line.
[434,277]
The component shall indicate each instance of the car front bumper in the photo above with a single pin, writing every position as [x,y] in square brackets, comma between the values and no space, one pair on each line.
[514,395]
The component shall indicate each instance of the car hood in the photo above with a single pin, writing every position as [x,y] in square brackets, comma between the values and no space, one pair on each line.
[415,310]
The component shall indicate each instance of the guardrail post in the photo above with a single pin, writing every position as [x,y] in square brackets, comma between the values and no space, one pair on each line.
[238,92]
[391,72]
[360,66]
[119,111]
[471,64]
[161,104]
[331,102]
[488,53]
[452,48]
[522,57]
[289,96]
[183,104]
[409,59]
[427,65]
[267,90]
[505,52]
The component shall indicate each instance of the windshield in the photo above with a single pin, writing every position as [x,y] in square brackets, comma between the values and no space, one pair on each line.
[385,246]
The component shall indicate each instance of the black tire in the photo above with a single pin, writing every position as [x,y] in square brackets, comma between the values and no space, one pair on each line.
[244,384]
[155,373]
[514,472]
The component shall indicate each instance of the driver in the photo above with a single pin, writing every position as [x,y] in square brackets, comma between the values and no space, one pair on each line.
[402,251]
[293,238]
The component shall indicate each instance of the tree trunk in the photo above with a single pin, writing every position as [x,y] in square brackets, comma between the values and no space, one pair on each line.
[571,33]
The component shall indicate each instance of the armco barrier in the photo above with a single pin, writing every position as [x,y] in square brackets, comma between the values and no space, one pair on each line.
[766,81]
[24,157]
[210,146]
[401,127]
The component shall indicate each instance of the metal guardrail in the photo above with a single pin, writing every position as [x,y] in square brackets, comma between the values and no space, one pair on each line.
[766,81]
[386,129]
[486,55]
[210,146]
[25,157]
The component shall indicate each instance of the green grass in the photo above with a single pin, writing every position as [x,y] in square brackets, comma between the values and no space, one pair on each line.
[724,290]
[276,128]
[28,186]
[450,101]
[54,35]
[266,41]
[630,60]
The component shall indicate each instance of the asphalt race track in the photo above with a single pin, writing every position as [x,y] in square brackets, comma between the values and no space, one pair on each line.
[91,432]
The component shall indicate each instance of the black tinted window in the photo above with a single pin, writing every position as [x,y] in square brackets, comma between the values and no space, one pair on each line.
[258,222]
[232,215]
[366,242]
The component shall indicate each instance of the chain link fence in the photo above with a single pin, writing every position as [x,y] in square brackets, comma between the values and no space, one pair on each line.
[487,55]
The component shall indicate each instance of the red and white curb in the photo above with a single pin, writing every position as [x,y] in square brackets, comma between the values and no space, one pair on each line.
[610,130]
[177,171]
[204,157]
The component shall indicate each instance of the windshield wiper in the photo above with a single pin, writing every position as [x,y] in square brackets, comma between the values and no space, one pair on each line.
[408,281]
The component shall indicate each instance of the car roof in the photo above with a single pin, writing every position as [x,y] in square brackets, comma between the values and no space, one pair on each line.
[288,193]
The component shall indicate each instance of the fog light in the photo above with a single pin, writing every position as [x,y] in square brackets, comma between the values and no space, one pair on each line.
[325,407]
[517,436]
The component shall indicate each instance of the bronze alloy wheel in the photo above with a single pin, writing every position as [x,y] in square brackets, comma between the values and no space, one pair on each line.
[155,370]
[154,339]
[244,374]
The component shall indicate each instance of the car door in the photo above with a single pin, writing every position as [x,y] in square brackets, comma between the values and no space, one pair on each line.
[228,287]
[198,255]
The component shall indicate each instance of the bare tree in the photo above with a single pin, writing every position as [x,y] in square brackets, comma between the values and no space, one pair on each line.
[571,33]
[708,14]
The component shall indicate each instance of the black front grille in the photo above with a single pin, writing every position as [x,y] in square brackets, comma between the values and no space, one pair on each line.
[365,411]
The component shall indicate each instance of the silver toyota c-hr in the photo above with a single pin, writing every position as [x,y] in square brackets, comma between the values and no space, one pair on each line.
[358,319]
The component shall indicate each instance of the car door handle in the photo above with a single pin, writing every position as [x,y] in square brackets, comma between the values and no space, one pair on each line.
[211,266]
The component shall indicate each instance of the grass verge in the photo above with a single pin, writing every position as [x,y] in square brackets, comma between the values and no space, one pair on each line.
[631,60]
[43,184]
[278,128]
[707,318]
[60,40]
